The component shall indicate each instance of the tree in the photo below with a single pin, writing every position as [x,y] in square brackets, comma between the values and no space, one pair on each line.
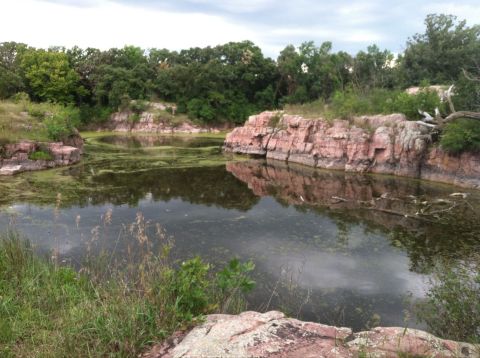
[439,54]
[373,69]
[11,80]
[49,77]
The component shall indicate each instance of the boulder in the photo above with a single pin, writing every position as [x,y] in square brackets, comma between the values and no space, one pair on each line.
[271,334]
[15,157]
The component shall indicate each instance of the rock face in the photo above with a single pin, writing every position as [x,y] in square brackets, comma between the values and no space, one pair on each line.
[271,334]
[387,144]
[14,158]
[120,122]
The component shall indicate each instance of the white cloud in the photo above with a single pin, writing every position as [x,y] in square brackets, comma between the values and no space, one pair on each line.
[471,13]
[238,6]
[109,24]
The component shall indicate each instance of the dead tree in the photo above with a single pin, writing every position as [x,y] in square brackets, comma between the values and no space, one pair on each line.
[438,121]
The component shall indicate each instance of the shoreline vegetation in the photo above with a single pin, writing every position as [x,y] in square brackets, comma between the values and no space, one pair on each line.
[108,308]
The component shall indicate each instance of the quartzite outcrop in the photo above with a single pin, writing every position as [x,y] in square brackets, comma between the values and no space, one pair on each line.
[386,144]
[15,157]
[271,334]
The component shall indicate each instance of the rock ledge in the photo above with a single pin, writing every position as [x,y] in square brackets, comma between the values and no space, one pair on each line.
[386,144]
[14,158]
[271,334]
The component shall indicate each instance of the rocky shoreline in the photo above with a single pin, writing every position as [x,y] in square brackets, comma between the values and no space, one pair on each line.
[119,122]
[384,144]
[271,334]
[19,157]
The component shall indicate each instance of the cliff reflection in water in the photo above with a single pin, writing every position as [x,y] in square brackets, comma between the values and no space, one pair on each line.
[448,229]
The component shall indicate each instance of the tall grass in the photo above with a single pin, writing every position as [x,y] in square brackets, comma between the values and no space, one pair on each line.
[348,104]
[107,309]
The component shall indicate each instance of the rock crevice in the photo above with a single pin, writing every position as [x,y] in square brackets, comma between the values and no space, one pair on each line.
[384,144]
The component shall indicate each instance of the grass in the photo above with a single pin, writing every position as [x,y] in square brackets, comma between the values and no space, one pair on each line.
[23,120]
[40,155]
[104,309]
[348,104]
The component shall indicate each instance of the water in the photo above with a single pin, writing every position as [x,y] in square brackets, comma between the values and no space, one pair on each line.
[330,247]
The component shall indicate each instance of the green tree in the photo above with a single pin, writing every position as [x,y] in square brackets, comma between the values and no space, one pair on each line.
[373,69]
[439,54]
[11,80]
[49,76]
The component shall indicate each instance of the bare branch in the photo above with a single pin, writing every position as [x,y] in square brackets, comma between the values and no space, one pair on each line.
[469,77]
[429,125]
[448,95]
[426,115]
[462,114]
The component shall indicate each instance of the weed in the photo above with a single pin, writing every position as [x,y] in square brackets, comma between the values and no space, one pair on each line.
[40,155]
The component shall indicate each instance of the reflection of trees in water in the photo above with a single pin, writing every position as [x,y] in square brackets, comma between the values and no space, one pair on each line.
[207,186]
[391,205]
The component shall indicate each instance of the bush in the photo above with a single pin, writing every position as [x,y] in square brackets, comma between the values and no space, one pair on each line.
[200,108]
[452,307]
[409,105]
[461,135]
[21,97]
[40,155]
[96,114]
[62,123]
[139,106]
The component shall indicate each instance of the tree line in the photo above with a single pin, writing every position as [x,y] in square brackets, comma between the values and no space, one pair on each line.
[231,81]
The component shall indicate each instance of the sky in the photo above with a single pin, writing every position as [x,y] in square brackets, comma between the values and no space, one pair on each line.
[180,24]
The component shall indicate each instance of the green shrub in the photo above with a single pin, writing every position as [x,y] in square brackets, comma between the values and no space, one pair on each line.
[200,108]
[96,114]
[236,276]
[350,103]
[410,104]
[452,307]
[139,106]
[21,97]
[461,135]
[36,111]
[40,155]
[62,123]
[190,285]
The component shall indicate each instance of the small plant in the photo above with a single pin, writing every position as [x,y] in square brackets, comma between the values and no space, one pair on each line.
[461,135]
[134,118]
[139,106]
[275,119]
[40,155]
[21,97]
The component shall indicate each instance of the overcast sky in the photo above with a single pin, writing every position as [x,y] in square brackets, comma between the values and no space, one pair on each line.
[179,24]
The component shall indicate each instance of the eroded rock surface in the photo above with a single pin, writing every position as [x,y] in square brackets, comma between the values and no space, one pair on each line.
[271,334]
[15,158]
[387,144]
[147,123]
